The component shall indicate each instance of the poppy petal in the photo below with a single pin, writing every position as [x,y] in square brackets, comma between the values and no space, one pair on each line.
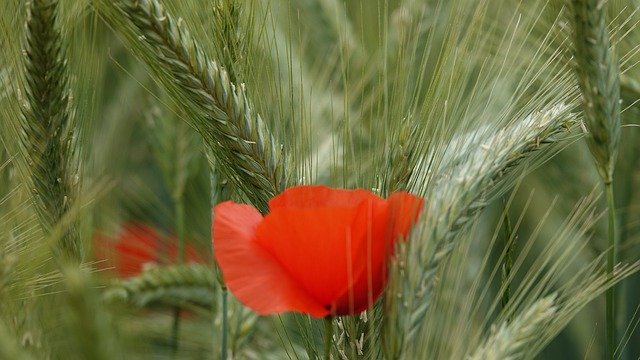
[404,209]
[191,254]
[137,245]
[370,273]
[323,249]
[250,272]
[317,196]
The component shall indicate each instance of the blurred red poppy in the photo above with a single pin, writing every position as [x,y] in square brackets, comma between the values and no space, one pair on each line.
[319,251]
[135,246]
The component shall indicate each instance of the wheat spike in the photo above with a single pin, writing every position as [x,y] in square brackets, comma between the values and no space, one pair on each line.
[569,303]
[599,79]
[218,109]
[193,283]
[459,193]
[598,74]
[47,125]
[508,341]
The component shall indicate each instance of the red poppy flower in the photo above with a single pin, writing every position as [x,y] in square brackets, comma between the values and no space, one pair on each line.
[135,246]
[319,251]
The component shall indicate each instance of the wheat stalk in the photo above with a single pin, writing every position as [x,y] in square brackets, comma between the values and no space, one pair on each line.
[46,135]
[218,109]
[457,195]
[510,338]
[186,284]
[528,333]
[598,76]
[229,38]
[573,297]
[399,157]
[176,148]
[177,284]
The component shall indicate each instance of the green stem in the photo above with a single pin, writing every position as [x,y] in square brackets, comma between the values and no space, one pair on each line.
[180,230]
[225,324]
[328,334]
[509,243]
[219,193]
[175,329]
[611,260]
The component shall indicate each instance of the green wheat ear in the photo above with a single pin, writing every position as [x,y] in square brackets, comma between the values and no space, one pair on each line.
[459,193]
[169,285]
[218,109]
[46,136]
[509,340]
[599,79]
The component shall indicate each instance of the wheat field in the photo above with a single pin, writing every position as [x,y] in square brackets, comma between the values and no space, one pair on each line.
[124,122]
